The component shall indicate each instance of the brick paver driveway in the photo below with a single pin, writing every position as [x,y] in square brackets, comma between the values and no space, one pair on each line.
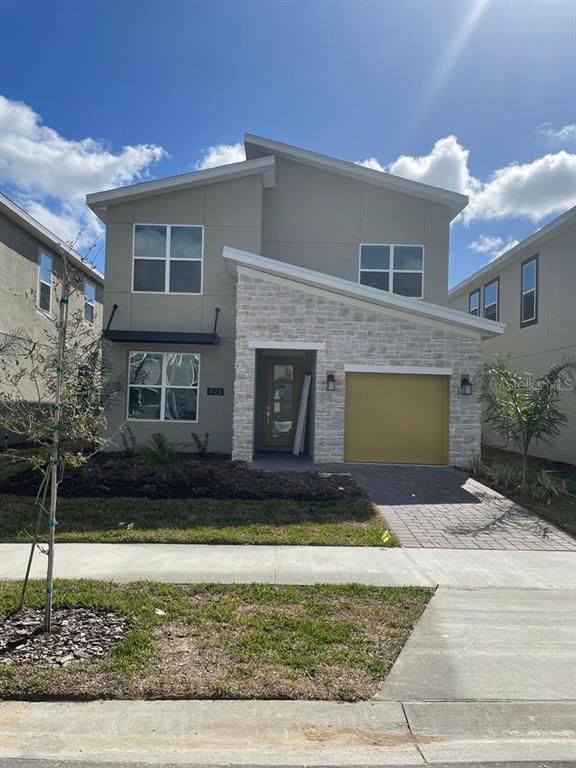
[441,507]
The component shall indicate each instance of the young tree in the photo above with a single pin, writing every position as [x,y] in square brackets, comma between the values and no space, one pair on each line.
[54,392]
[522,409]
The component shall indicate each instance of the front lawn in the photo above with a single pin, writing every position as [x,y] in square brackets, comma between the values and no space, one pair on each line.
[202,521]
[226,641]
[560,510]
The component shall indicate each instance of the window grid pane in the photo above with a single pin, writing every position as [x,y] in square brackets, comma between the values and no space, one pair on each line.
[395,268]
[150,241]
[163,386]
[474,303]
[528,306]
[528,276]
[168,258]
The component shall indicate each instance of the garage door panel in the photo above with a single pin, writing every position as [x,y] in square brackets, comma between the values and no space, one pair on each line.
[397,418]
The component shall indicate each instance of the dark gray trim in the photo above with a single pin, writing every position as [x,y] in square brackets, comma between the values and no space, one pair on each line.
[534,320]
[163,337]
[479,292]
[487,285]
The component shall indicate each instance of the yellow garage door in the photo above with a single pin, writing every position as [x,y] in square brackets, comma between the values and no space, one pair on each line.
[397,418]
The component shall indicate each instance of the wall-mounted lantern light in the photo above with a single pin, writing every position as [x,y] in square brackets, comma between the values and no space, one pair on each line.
[465,386]
[330,381]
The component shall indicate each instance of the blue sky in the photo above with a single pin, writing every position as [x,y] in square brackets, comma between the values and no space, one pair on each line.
[477,96]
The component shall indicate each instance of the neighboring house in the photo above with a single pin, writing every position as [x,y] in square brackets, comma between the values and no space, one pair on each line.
[532,288]
[30,269]
[232,291]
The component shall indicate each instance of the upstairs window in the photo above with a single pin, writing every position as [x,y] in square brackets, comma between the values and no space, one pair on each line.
[89,301]
[529,292]
[45,271]
[474,303]
[394,268]
[492,300]
[163,386]
[168,258]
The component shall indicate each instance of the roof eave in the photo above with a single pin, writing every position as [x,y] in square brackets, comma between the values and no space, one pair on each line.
[47,238]
[99,201]
[454,200]
[532,241]
[324,282]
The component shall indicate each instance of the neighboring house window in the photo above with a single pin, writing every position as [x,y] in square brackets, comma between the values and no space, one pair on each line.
[474,303]
[492,300]
[163,386]
[167,259]
[89,301]
[394,268]
[45,271]
[529,297]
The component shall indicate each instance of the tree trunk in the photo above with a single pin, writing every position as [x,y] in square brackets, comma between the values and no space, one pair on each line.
[55,453]
[524,467]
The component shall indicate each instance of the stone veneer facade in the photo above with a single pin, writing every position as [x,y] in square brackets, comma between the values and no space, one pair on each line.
[354,332]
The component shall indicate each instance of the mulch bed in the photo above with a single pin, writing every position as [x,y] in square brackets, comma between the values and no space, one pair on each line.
[78,634]
[108,475]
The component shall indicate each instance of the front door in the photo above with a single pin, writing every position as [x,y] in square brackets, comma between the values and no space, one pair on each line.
[284,378]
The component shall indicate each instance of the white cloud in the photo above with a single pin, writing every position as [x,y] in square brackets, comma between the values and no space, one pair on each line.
[373,163]
[446,166]
[50,175]
[221,154]
[558,136]
[492,245]
[533,190]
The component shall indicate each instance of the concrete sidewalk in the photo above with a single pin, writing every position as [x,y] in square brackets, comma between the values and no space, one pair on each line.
[287,732]
[190,563]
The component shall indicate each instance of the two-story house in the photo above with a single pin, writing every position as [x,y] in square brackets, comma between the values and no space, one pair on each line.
[291,302]
[531,289]
[30,272]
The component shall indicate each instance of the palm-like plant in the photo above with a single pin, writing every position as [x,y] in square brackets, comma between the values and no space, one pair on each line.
[524,410]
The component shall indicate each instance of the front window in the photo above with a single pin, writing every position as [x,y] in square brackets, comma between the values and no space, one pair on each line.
[163,386]
[45,282]
[167,258]
[394,268]
[89,301]
[529,298]
[474,303]
[491,300]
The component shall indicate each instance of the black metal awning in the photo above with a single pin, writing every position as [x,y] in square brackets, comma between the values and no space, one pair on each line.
[162,337]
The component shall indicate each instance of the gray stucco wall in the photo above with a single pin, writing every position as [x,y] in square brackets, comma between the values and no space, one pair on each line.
[316,219]
[272,309]
[19,264]
[231,214]
[535,348]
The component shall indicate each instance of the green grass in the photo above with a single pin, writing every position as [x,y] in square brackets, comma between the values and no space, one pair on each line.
[561,510]
[228,641]
[202,521]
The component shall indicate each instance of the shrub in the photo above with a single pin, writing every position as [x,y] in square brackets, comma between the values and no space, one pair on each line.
[157,457]
[201,443]
[128,440]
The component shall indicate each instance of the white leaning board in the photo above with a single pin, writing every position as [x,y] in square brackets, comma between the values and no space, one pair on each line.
[300,436]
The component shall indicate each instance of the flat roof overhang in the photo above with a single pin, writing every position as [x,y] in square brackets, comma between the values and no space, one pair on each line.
[162,337]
